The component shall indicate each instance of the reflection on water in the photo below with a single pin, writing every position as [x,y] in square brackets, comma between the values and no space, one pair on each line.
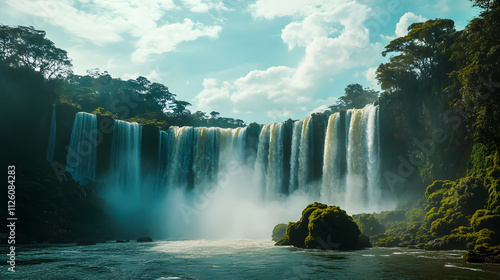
[236,259]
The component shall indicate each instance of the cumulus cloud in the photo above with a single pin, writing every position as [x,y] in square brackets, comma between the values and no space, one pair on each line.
[201,6]
[270,9]
[335,40]
[371,76]
[260,93]
[100,29]
[319,109]
[102,22]
[405,21]
[167,37]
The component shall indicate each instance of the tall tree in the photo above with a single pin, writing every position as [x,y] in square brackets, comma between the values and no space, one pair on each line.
[478,55]
[422,59]
[357,97]
[23,46]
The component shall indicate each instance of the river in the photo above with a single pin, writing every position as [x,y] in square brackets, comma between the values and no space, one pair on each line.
[236,259]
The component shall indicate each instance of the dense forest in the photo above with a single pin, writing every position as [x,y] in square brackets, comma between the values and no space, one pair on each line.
[439,115]
[440,111]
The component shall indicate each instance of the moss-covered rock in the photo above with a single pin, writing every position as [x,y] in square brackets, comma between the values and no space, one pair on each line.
[369,225]
[483,253]
[324,227]
[279,232]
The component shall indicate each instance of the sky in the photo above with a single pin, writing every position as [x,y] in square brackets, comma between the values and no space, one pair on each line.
[257,60]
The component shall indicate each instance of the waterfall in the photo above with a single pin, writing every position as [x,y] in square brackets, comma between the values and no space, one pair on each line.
[208,178]
[126,157]
[274,177]
[373,154]
[182,161]
[294,157]
[238,147]
[355,159]
[81,157]
[165,156]
[206,158]
[358,189]
[305,155]
[192,156]
[262,160]
[52,136]
[331,186]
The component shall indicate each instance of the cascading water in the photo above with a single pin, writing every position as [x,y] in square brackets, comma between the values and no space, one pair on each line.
[206,180]
[332,184]
[206,159]
[165,156]
[182,160]
[126,157]
[294,157]
[360,191]
[373,156]
[52,136]
[274,177]
[81,157]
[262,160]
[127,198]
[305,156]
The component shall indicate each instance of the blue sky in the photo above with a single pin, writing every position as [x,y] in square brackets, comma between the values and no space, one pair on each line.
[258,60]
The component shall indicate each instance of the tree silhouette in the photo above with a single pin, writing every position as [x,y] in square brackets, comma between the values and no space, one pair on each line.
[27,47]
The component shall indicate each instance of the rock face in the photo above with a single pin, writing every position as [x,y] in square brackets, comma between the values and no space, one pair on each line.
[324,227]
[279,232]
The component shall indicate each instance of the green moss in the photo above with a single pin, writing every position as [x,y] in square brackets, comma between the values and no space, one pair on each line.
[324,227]
[480,159]
[332,228]
[369,225]
[486,219]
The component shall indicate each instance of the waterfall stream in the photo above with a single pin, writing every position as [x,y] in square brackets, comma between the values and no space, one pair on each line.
[201,171]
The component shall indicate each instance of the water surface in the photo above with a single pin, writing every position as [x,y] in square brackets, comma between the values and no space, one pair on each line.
[236,259]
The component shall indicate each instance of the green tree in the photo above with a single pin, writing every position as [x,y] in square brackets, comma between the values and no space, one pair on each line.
[478,77]
[214,115]
[23,46]
[355,96]
[180,107]
[422,59]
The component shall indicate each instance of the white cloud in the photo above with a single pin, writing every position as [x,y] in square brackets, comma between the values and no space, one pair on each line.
[102,22]
[270,9]
[99,21]
[100,29]
[335,40]
[304,32]
[261,92]
[326,56]
[405,21]
[371,76]
[319,109]
[213,97]
[201,6]
[167,37]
